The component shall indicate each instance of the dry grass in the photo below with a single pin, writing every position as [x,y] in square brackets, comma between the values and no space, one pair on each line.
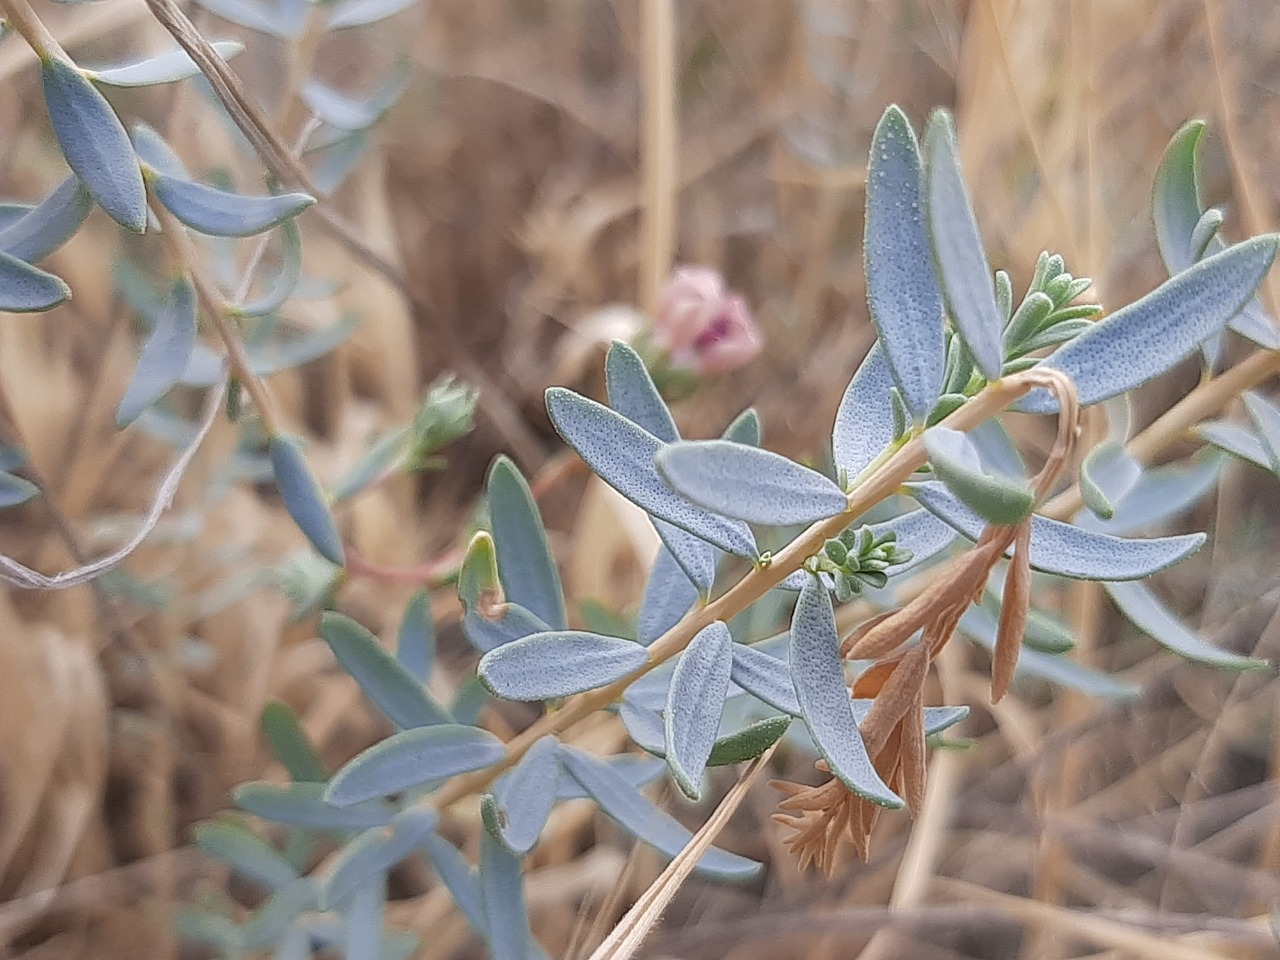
[507,187]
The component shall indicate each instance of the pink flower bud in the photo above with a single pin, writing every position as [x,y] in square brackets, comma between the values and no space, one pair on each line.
[703,328]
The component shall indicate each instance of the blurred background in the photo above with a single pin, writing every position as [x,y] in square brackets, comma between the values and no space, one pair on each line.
[505,186]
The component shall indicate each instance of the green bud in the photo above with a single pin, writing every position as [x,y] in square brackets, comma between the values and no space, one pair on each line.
[447,414]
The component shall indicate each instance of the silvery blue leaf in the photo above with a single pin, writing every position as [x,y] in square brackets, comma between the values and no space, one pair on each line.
[335,160]
[525,565]
[369,855]
[1177,211]
[246,852]
[668,596]
[818,676]
[636,771]
[996,449]
[11,213]
[220,213]
[622,455]
[346,113]
[165,67]
[512,622]
[765,677]
[11,458]
[27,289]
[902,293]
[1145,611]
[1175,197]
[502,888]
[633,393]
[1236,440]
[364,937]
[50,224]
[304,499]
[459,878]
[692,554]
[748,483]
[272,921]
[745,428]
[522,800]
[252,14]
[864,422]
[416,640]
[15,490]
[358,13]
[558,663]
[303,805]
[695,701]
[980,626]
[1107,475]
[267,359]
[961,259]
[286,280]
[469,701]
[1160,494]
[1067,550]
[387,684]
[1266,421]
[936,719]
[152,150]
[290,744]
[996,498]
[413,757]
[1146,338]
[164,356]
[94,143]
[636,814]
[644,726]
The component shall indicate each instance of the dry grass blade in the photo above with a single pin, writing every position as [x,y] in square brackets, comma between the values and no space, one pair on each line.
[625,939]
[1013,615]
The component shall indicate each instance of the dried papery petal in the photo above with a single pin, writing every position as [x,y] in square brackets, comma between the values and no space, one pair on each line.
[1013,615]
[913,756]
[895,699]
[862,630]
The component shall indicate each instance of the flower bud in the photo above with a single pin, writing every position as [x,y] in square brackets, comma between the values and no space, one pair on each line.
[703,328]
[447,414]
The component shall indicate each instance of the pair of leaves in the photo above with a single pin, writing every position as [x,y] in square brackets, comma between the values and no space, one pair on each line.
[32,234]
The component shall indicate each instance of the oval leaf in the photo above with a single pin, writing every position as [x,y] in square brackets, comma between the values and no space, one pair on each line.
[413,757]
[523,799]
[28,289]
[416,640]
[1236,440]
[668,596]
[765,677]
[981,627]
[1145,611]
[220,213]
[285,282]
[47,226]
[369,855]
[1067,550]
[961,259]
[502,889]
[748,483]
[387,684]
[622,455]
[165,355]
[525,565]
[1159,495]
[994,497]
[165,67]
[1107,474]
[1175,197]
[1266,419]
[94,144]
[749,742]
[693,555]
[359,13]
[303,805]
[864,422]
[246,852]
[15,490]
[695,701]
[558,663]
[621,801]
[1146,338]
[825,704]
[304,499]
[902,293]
[633,393]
